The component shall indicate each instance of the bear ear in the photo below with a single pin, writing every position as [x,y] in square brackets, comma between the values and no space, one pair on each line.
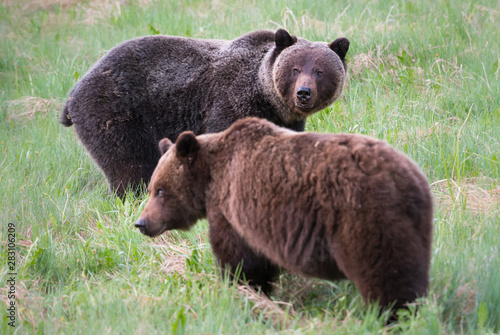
[164,145]
[340,46]
[187,146]
[283,39]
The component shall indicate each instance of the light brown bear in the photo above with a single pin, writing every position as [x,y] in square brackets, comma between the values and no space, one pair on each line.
[330,206]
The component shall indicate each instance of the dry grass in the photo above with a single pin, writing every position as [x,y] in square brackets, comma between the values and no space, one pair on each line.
[449,71]
[26,108]
[272,312]
[375,58]
[101,10]
[174,264]
[418,134]
[174,252]
[467,294]
[371,61]
[298,25]
[29,301]
[175,258]
[91,12]
[30,6]
[480,194]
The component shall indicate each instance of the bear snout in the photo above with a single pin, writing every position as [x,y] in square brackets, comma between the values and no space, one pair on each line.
[150,227]
[304,94]
[141,224]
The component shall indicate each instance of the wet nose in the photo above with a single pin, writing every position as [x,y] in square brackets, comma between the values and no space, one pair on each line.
[141,224]
[303,93]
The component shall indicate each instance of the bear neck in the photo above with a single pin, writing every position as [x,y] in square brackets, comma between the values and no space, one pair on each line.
[269,91]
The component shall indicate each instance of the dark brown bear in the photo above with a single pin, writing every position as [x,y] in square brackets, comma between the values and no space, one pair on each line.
[158,86]
[321,205]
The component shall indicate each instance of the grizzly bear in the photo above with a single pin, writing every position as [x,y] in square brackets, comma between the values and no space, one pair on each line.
[330,206]
[154,87]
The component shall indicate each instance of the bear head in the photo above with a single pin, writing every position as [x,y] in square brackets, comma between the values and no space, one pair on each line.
[177,197]
[307,76]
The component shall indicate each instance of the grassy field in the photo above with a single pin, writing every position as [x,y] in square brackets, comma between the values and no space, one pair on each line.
[423,76]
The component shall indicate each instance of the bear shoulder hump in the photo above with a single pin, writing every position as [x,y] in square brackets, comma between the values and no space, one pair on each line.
[254,39]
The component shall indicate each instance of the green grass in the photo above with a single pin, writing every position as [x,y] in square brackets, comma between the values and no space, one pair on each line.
[423,76]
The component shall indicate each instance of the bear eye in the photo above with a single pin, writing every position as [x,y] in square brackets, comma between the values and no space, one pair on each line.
[159,193]
[295,72]
[319,73]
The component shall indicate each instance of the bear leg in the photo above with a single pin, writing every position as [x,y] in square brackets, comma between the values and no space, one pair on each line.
[390,270]
[126,160]
[231,251]
[129,178]
[394,289]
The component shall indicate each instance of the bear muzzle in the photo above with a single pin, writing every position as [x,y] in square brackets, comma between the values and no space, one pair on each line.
[141,224]
[304,94]
[305,100]
[149,228]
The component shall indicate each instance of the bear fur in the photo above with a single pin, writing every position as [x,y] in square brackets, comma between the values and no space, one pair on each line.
[330,206]
[154,87]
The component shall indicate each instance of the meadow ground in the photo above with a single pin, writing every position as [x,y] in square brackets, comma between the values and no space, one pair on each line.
[423,76]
